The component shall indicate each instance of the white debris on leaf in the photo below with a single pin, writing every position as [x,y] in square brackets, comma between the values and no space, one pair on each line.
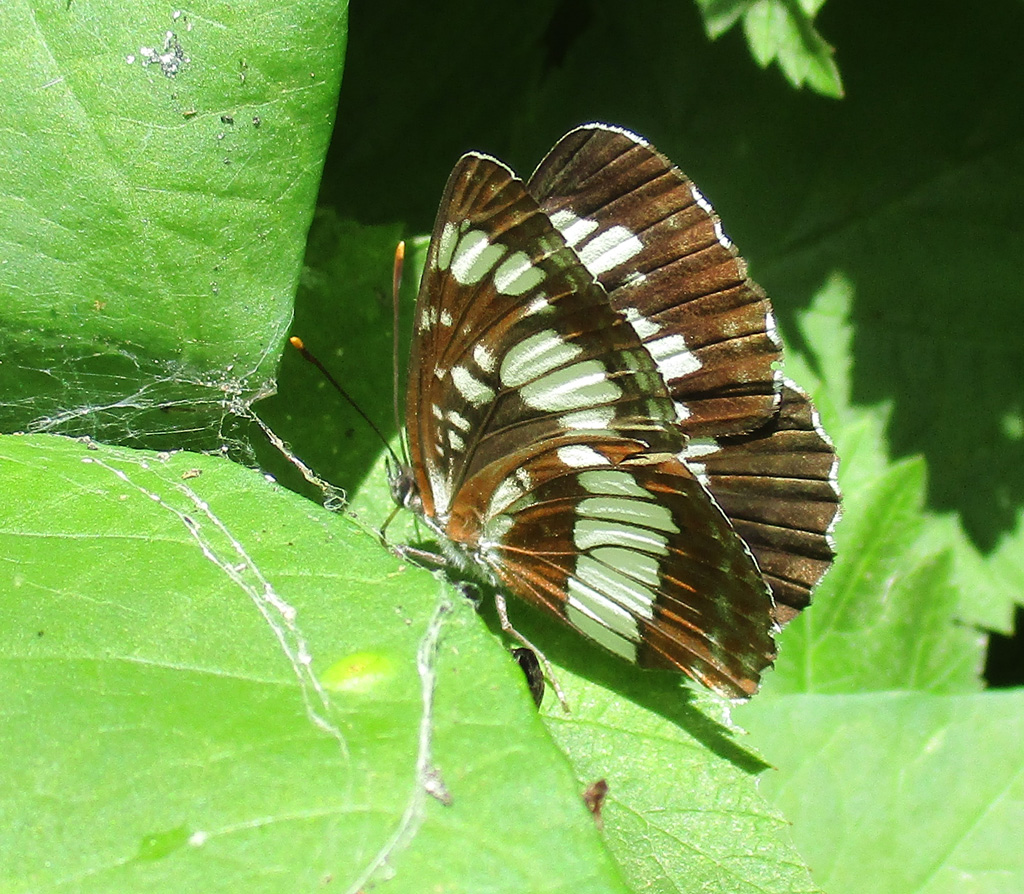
[170,59]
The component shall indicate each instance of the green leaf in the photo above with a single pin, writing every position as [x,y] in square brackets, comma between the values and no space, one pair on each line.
[680,814]
[152,217]
[900,791]
[782,31]
[211,684]
[259,664]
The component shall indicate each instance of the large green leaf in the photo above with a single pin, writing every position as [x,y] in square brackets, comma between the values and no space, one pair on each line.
[285,694]
[152,215]
[210,684]
[900,791]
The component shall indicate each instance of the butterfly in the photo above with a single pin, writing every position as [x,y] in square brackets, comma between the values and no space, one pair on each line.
[595,417]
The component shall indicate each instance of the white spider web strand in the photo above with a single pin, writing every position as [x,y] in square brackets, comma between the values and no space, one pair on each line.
[334,497]
[427,780]
[116,396]
[279,615]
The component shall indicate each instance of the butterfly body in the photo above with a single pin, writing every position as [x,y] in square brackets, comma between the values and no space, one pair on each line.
[589,364]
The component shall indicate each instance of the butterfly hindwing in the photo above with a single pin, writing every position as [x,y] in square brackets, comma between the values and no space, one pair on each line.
[777,482]
[625,546]
[658,248]
[778,486]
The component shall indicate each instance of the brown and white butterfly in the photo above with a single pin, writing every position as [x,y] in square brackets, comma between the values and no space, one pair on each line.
[595,418]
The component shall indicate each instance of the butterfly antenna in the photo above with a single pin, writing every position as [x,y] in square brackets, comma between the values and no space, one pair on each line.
[310,357]
[396,285]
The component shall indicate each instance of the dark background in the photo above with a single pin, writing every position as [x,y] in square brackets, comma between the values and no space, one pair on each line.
[910,187]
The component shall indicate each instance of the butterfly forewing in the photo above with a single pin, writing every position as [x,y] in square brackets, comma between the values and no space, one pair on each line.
[657,247]
[515,342]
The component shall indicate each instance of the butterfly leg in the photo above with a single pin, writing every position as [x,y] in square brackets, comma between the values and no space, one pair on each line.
[382,533]
[509,630]
[525,658]
[422,557]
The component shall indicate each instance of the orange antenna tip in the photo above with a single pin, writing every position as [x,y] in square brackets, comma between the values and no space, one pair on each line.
[297,343]
[396,277]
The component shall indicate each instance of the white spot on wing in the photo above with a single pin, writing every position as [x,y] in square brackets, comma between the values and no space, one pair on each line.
[474,256]
[700,447]
[446,245]
[643,327]
[578,456]
[619,587]
[612,482]
[632,512]
[446,318]
[673,357]
[455,441]
[535,356]
[694,449]
[638,565]
[589,533]
[458,420]
[573,229]
[517,274]
[483,357]
[470,387]
[606,250]
[427,318]
[584,384]
[506,493]
[538,305]
[563,218]
[601,620]
[597,418]
[700,472]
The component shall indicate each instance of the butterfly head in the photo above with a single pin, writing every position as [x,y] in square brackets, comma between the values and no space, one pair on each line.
[403,487]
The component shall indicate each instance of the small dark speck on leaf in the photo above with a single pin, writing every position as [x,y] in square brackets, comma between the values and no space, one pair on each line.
[594,797]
